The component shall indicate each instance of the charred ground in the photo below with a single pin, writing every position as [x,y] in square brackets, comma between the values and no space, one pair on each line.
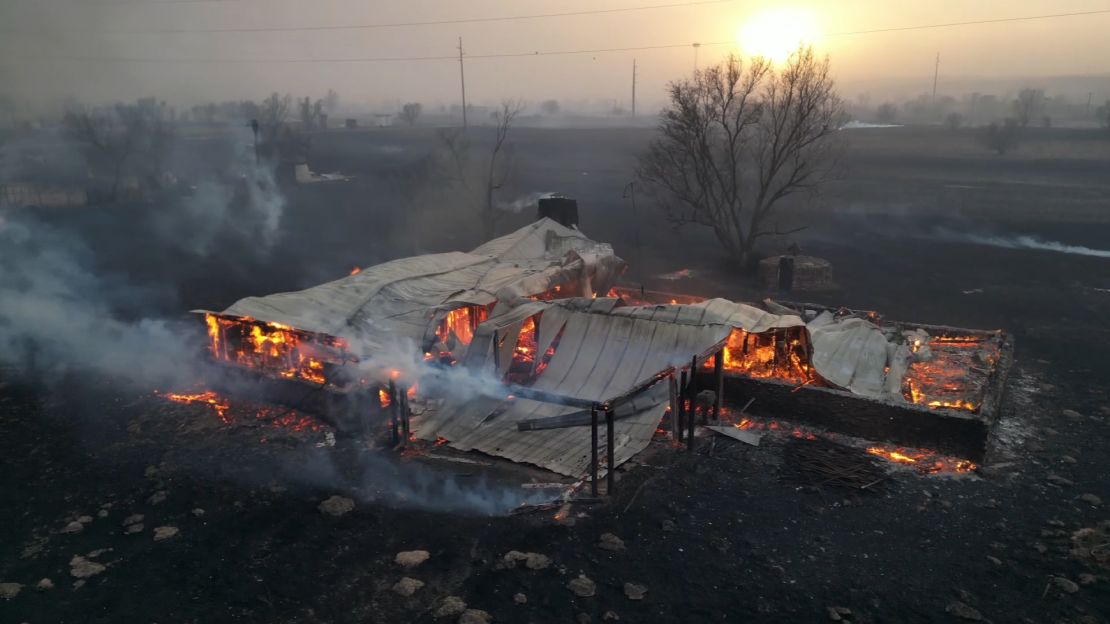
[726,537]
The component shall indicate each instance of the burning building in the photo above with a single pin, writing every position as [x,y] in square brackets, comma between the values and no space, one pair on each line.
[532,325]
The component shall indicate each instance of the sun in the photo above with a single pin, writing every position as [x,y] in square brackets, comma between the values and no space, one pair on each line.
[776,33]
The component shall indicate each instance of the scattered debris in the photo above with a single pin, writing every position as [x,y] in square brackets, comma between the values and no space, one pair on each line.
[837,614]
[198,512]
[1087,578]
[747,437]
[411,558]
[132,529]
[451,606]
[520,598]
[132,519]
[407,586]
[582,586]
[475,616]
[85,519]
[1072,414]
[164,532]
[963,611]
[1092,544]
[611,542]
[632,591]
[44,584]
[610,616]
[821,462]
[10,590]
[103,513]
[669,526]
[81,567]
[336,506]
[157,497]
[995,560]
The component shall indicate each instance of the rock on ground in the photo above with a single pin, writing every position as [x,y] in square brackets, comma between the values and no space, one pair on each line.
[475,616]
[134,528]
[81,568]
[610,615]
[1091,499]
[164,532]
[1065,585]
[132,519]
[1072,414]
[520,598]
[608,541]
[411,558]
[963,611]
[73,527]
[634,592]
[336,506]
[10,590]
[407,586]
[451,605]
[532,561]
[44,584]
[582,586]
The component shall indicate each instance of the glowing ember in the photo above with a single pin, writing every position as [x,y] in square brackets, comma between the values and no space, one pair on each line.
[948,379]
[209,398]
[773,355]
[923,461]
[383,399]
[273,348]
[355,271]
[276,417]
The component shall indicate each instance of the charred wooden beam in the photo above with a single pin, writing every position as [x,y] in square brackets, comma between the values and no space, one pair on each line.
[611,455]
[593,451]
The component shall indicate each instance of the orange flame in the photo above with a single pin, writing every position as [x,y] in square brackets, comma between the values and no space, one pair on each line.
[272,347]
[355,271]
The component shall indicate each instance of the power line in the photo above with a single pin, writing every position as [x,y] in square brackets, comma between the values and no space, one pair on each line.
[413,24]
[372,59]
[998,20]
[536,53]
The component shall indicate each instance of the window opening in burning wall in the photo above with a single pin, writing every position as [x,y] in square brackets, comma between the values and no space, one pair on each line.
[779,354]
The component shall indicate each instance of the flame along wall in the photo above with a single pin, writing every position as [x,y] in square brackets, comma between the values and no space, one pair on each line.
[276,350]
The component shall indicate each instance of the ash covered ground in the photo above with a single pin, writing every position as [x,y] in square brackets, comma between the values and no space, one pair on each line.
[923,226]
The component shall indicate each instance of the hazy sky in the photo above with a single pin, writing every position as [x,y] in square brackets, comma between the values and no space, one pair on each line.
[36,36]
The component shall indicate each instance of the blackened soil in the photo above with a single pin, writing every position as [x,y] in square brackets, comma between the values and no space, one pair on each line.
[719,537]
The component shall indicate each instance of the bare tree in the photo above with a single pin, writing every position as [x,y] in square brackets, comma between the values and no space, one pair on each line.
[273,113]
[550,107]
[738,139]
[410,112]
[312,113]
[1001,138]
[481,174]
[1029,105]
[954,121]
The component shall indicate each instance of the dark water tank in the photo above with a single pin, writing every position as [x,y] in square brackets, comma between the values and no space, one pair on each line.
[561,209]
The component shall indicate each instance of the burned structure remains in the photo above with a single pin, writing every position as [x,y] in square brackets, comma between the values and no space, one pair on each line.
[527,348]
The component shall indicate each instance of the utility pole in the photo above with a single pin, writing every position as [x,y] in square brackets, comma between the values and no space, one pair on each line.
[1089,96]
[936,72]
[462,81]
[696,46]
[634,89]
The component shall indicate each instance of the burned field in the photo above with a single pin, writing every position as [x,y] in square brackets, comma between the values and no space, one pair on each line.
[848,508]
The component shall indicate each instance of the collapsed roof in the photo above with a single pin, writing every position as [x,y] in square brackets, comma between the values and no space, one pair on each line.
[400,300]
[606,348]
